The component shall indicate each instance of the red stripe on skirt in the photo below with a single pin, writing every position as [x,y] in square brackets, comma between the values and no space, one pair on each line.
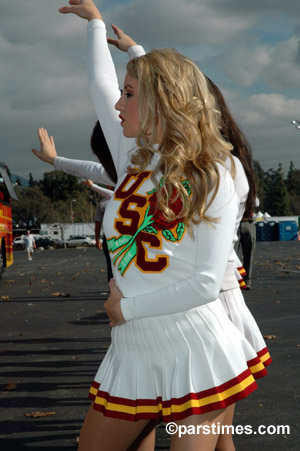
[173,402]
[262,353]
[175,416]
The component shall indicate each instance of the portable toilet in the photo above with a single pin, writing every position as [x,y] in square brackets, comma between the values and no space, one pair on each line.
[287,230]
[261,234]
[272,231]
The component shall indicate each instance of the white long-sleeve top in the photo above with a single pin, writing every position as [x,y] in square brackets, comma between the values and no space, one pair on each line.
[85,169]
[96,172]
[196,267]
[105,92]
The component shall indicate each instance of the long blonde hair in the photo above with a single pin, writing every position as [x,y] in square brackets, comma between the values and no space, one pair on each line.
[173,91]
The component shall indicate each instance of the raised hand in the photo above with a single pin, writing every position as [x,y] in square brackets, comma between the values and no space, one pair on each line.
[86,9]
[123,41]
[47,151]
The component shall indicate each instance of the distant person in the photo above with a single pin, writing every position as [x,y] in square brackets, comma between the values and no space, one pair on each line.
[100,210]
[29,244]
[247,242]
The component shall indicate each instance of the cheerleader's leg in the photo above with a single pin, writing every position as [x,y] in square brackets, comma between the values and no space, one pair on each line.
[146,440]
[104,433]
[197,432]
[225,441]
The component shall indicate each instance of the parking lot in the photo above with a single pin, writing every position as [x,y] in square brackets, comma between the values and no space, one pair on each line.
[45,242]
[54,332]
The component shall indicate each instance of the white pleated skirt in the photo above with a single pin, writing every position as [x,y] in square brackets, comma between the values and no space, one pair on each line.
[238,312]
[174,366]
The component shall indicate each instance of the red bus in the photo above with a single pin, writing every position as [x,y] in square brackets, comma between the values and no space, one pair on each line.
[6,237]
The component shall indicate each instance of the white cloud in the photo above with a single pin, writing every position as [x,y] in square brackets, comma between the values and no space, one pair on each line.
[258,8]
[43,77]
[266,121]
[178,22]
[245,65]
[275,105]
[276,65]
[283,70]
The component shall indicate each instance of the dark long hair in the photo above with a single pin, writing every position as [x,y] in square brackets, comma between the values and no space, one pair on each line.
[101,150]
[241,147]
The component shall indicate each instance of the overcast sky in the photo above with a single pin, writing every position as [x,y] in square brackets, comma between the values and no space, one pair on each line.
[250,49]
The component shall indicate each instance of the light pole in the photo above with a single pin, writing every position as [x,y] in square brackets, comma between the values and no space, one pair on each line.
[73,200]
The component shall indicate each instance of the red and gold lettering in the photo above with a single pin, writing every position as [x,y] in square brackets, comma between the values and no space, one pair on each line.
[126,213]
[134,226]
[123,193]
[142,260]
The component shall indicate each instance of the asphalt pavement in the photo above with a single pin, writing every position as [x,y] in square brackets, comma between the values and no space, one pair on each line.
[54,333]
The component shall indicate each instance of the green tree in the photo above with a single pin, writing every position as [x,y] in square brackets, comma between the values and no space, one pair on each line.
[31,181]
[83,209]
[276,201]
[293,180]
[33,207]
[293,186]
[59,186]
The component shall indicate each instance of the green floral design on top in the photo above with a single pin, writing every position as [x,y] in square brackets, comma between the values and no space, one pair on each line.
[153,222]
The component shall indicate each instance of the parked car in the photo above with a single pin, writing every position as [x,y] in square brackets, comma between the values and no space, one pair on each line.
[44,242]
[80,240]
[58,244]
[18,243]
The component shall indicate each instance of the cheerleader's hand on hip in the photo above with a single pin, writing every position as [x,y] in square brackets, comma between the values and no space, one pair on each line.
[113,305]
[86,9]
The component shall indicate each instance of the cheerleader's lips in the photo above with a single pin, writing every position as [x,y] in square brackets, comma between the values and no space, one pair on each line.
[122,119]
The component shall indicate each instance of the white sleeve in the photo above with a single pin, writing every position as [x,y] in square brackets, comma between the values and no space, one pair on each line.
[107,193]
[80,168]
[104,89]
[134,51]
[213,244]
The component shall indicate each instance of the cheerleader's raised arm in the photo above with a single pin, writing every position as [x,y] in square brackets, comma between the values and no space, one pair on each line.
[105,92]
[104,89]
[102,77]
[78,168]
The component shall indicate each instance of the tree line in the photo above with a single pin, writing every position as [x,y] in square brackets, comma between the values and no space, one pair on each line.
[57,196]
[278,195]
